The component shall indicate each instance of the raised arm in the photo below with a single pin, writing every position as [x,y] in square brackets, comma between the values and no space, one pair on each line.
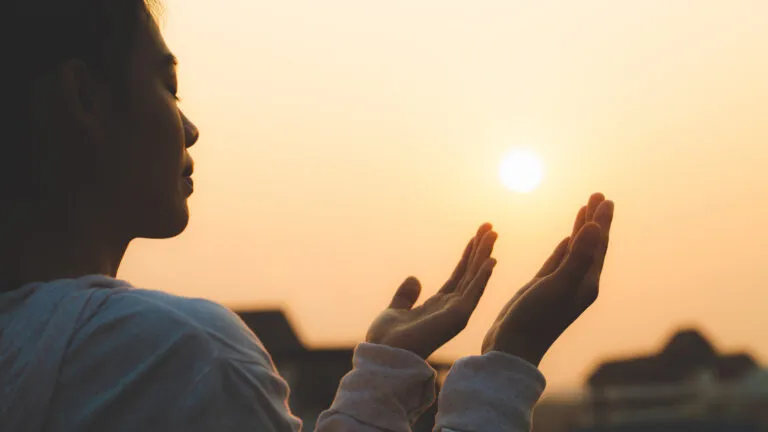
[498,390]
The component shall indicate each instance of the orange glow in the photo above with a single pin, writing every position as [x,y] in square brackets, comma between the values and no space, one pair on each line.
[347,145]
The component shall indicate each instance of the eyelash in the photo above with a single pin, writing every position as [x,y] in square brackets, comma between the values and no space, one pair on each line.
[175,93]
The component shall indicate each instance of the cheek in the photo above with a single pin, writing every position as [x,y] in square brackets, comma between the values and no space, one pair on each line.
[163,118]
[168,142]
[163,129]
[153,148]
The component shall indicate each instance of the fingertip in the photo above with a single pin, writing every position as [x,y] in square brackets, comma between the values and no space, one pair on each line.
[609,206]
[487,269]
[411,285]
[597,197]
[484,228]
[413,280]
[407,294]
[487,242]
[581,218]
[604,214]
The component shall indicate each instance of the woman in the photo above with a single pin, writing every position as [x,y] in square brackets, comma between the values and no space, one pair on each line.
[99,156]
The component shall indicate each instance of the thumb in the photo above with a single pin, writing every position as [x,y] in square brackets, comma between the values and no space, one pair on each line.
[407,295]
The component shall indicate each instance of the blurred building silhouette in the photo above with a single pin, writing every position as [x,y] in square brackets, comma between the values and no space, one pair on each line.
[313,374]
[689,385]
[687,356]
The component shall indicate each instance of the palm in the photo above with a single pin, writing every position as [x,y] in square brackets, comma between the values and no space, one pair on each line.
[425,328]
[563,289]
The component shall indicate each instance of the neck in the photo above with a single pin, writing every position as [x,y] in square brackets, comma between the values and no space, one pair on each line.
[39,246]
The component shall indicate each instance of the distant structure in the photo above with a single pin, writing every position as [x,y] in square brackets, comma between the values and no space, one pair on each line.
[313,374]
[686,386]
[687,356]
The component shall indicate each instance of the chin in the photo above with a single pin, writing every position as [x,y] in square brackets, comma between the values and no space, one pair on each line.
[170,223]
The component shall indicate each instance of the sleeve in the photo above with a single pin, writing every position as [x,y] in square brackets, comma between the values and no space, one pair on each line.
[235,396]
[387,390]
[492,392]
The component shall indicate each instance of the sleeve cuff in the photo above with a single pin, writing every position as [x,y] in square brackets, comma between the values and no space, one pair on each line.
[388,388]
[495,391]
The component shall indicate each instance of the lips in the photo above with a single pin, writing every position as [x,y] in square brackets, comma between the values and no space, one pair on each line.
[189,169]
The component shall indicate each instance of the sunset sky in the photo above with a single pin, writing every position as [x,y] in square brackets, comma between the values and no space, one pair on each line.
[347,144]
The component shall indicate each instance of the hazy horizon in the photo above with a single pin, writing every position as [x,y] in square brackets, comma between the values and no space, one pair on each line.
[346,145]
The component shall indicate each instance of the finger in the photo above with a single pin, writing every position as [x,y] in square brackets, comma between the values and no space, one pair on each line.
[594,201]
[476,287]
[482,253]
[581,219]
[407,295]
[578,263]
[603,218]
[481,232]
[554,260]
[461,268]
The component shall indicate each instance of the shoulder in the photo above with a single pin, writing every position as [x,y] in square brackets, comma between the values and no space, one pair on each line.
[170,358]
[147,322]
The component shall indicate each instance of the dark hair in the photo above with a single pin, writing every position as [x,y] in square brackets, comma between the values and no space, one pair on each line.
[45,33]
[36,36]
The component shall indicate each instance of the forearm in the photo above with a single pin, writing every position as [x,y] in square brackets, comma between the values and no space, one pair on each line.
[492,392]
[387,390]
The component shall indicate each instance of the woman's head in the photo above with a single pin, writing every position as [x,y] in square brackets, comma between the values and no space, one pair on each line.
[96,133]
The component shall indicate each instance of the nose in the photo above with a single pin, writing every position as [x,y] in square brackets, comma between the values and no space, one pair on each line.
[191,133]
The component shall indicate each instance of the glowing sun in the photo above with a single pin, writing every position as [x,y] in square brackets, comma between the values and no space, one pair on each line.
[521,171]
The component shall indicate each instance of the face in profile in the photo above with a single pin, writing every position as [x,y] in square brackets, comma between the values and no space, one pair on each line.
[99,155]
[149,144]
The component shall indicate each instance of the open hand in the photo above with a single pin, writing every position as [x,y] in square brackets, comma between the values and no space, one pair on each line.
[561,291]
[424,329]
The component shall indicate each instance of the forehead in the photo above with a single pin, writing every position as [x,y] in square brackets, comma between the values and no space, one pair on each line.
[151,48]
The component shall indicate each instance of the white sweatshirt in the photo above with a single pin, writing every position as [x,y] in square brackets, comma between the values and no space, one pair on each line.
[96,354]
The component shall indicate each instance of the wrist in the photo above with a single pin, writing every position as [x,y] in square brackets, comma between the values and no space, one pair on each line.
[400,346]
[532,359]
[520,350]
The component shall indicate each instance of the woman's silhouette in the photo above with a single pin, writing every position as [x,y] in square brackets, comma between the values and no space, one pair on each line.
[96,154]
